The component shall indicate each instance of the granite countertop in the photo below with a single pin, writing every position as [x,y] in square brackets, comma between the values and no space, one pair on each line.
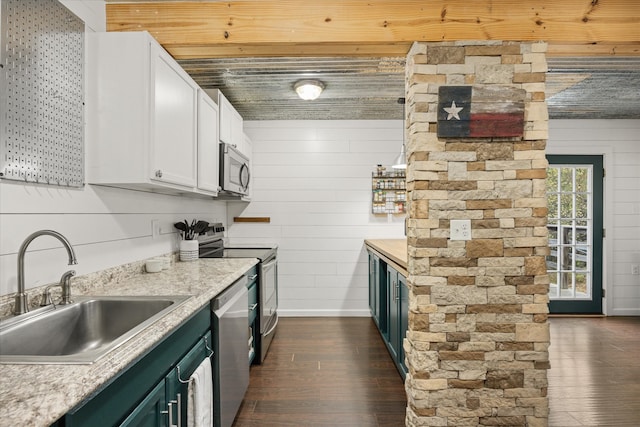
[38,395]
[394,250]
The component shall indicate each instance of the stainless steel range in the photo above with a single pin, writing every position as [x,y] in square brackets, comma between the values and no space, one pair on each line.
[212,246]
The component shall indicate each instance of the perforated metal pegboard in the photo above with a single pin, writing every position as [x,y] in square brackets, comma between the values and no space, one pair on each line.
[41,104]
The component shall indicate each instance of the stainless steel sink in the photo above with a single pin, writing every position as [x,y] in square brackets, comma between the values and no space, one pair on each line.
[82,332]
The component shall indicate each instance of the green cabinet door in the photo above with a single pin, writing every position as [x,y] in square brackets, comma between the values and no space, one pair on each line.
[404,321]
[254,327]
[177,381]
[398,320]
[151,412]
[393,292]
[374,288]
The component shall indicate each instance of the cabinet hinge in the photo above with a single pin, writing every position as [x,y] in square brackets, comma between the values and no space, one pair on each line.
[604,291]
[604,233]
[604,172]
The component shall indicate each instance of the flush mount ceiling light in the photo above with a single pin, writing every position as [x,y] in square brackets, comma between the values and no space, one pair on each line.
[309,89]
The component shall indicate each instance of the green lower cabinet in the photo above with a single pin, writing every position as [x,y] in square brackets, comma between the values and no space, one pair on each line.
[141,395]
[404,321]
[374,287]
[177,381]
[254,327]
[166,404]
[389,297]
[393,290]
[149,413]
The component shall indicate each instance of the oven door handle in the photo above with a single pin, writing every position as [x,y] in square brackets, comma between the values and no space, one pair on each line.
[266,334]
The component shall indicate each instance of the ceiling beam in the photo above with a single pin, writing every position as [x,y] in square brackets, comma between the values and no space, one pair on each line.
[249,28]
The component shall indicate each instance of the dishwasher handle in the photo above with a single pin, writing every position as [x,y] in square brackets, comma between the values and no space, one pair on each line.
[223,309]
[229,293]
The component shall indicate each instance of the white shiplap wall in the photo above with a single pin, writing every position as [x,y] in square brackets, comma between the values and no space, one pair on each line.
[619,142]
[106,226]
[313,179]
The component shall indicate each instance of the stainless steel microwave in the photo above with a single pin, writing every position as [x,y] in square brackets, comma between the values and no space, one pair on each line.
[234,170]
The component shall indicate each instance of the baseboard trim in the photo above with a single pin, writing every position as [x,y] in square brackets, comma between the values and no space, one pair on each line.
[577,315]
[323,313]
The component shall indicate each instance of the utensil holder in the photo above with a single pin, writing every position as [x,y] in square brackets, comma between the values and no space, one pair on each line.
[188,250]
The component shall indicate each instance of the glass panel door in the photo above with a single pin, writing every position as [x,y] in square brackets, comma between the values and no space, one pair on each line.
[574,263]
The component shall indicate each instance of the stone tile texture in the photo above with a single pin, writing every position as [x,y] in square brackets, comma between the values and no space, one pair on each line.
[478,337]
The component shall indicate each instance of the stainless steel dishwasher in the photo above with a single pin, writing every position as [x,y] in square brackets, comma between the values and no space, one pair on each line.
[231,369]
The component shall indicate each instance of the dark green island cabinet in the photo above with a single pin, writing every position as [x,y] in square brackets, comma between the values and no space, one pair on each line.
[389,305]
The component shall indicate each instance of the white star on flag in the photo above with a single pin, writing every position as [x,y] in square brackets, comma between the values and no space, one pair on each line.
[453,111]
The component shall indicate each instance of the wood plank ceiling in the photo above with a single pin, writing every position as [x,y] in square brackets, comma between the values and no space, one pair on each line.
[255,50]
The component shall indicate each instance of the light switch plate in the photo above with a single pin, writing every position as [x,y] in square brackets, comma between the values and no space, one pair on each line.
[460,229]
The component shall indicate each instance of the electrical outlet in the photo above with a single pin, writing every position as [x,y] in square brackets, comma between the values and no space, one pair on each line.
[155,228]
[460,229]
[635,269]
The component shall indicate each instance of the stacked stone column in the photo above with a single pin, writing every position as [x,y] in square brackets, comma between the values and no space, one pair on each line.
[477,345]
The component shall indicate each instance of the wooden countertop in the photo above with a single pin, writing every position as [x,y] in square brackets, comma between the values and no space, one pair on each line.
[394,250]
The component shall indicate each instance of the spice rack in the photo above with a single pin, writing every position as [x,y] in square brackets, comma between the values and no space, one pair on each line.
[389,192]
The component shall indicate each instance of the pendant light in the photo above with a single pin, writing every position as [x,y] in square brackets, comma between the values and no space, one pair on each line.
[401,161]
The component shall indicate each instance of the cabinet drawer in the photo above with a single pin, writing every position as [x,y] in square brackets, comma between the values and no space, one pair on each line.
[252,276]
[253,302]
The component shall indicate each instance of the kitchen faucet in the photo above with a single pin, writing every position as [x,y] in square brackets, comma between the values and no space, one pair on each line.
[21,305]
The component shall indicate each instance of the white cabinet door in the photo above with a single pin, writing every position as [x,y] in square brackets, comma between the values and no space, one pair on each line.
[173,143]
[231,124]
[237,132]
[227,116]
[141,115]
[208,152]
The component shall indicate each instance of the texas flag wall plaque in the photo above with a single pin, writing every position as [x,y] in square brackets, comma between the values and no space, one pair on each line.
[480,111]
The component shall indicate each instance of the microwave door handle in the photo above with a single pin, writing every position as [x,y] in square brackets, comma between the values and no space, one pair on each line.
[244,185]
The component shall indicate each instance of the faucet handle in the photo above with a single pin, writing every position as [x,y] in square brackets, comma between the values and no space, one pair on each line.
[65,283]
[46,297]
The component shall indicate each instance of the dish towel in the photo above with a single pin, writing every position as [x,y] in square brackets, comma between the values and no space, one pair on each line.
[200,396]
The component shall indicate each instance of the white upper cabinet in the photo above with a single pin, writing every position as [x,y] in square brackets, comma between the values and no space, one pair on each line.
[208,152]
[231,122]
[142,116]
[174,138]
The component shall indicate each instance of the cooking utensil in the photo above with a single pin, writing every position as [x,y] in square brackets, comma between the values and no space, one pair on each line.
[201,227]
[188,228]
[182,227]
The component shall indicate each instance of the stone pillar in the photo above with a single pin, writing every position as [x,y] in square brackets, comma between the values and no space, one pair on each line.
[477,345]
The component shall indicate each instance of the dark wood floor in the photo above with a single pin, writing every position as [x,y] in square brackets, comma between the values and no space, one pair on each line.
[594,378]
[323,372]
